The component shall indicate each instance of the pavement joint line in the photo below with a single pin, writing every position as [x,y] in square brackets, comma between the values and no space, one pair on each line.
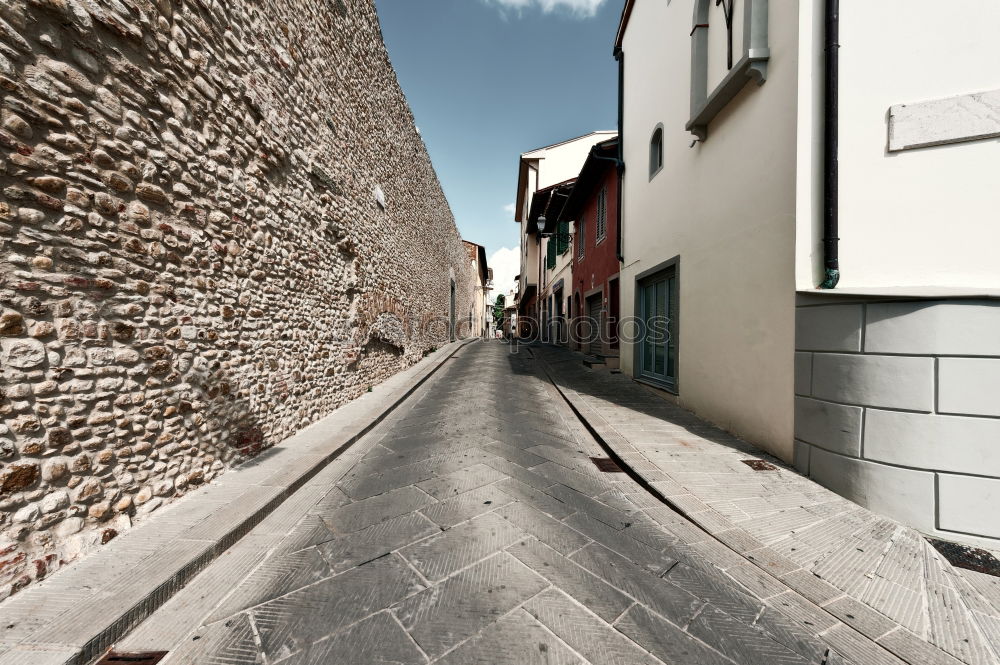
[135,611]
[551,632]
[543,365]
[392,613]
[519,606]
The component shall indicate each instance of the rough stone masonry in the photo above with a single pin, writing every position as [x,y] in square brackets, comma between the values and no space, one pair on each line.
[218,223]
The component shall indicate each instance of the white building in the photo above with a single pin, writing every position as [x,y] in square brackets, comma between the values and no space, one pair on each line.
[544,285]
[885,388]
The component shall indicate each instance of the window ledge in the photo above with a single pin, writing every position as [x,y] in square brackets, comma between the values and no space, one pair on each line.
[660,385]
[751,67]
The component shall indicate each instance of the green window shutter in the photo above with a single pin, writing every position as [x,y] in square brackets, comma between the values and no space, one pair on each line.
[550,260]
[563,237]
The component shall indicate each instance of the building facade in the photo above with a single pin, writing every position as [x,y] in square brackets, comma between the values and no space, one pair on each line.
[753,154]
[482,310]
[539,170]
[593,207]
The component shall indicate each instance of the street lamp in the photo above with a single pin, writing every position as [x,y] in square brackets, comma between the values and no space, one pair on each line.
[541,224]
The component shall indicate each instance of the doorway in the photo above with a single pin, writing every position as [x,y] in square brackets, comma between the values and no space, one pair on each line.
[595,314]
[658,311]
[451,314]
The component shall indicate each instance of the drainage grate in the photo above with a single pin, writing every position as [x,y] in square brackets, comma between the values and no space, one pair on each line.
[137,658]
[970,558]
[759,465]
[606,464]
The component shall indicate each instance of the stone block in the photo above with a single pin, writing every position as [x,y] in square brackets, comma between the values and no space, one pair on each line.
[906,495]
[829,328]
[835,427]
[963,327]
[969,504]
[969,385]
[803,373]
[926,441]
[800,458]
[896,382]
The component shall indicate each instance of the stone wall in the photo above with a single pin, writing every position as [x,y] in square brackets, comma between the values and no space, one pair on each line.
[218,223]
[898,408]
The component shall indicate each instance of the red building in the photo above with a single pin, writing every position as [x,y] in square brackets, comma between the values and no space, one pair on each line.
[593,206]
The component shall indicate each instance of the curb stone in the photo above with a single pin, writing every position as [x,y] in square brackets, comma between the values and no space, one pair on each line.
[77,614]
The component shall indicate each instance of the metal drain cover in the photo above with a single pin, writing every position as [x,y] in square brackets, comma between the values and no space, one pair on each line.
[970,558]
[759,465]
[135,658]
[606,464]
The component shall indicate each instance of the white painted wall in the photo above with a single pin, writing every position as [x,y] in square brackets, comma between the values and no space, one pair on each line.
[727,208]
[563,161]
[921,217]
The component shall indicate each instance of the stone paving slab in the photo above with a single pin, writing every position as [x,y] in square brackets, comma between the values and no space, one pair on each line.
[883,581]
[80,611]
[496,584]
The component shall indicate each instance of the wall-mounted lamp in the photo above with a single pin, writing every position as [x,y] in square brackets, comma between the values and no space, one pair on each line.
[541,225]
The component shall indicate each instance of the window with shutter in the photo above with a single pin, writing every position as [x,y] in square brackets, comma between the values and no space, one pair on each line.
[563,238]
[581,225]
[602,214]
[550,259]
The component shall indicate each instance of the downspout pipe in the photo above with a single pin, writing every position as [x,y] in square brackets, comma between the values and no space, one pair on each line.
[831,146]
[620,160]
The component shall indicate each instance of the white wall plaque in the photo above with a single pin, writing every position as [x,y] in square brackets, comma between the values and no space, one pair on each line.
[942,121]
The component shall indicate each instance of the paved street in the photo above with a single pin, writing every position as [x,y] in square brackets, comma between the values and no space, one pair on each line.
[473,526]
[476,529]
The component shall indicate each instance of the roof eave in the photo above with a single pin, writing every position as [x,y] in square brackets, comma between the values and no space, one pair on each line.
[623,25]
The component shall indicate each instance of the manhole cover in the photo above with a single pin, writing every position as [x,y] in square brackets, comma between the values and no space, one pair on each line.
[606,464]
[136,658]
[970,558]
[759,465]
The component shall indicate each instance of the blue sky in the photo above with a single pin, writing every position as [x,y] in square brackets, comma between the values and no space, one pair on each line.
[490,79]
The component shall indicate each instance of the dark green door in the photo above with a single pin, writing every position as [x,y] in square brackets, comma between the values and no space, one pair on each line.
[658,308]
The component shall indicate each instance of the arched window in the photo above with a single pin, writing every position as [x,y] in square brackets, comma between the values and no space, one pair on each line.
[656,151]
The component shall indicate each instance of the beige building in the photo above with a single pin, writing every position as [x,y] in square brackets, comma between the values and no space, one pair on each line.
[481,315]
[734,121]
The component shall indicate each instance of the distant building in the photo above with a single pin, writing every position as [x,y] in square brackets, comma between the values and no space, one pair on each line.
[541,298]
[593,208]
[814,231]
[482,310]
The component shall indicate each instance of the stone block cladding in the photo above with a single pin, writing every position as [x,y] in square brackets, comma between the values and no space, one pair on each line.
[218,223]
[897,407]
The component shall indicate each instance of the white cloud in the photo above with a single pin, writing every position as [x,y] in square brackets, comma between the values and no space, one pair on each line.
[580,8]
[509,209]
[506,264]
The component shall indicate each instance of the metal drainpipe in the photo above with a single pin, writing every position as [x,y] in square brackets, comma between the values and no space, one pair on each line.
[620,160]
[831,140]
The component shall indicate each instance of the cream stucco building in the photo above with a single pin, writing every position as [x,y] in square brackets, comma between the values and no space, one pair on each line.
[734,121]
